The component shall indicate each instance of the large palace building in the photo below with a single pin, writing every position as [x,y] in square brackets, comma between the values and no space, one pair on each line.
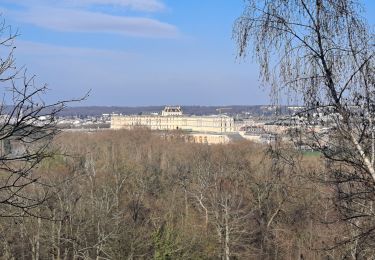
[172,118]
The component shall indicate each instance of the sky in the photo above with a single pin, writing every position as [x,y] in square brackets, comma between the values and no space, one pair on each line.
[136,52]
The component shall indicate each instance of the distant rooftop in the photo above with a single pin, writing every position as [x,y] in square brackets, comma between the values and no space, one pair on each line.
[171,111]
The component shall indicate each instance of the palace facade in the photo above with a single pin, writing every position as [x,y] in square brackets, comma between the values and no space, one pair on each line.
[172,118]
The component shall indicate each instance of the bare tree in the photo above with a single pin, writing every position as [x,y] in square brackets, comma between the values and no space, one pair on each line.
[27,127]
[322,53]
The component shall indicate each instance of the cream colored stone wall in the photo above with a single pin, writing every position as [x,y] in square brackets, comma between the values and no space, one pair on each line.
[208,139]
[215,124]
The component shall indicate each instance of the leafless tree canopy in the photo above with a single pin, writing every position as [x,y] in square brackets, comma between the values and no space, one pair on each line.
[27,126]
[320,49]
[321,53]
[136,195]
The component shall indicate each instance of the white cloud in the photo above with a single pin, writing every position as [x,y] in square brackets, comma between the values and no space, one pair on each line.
[139,5]
[77,16]
[70,20]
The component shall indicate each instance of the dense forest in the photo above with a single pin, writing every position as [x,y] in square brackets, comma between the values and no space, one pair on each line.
[137,195]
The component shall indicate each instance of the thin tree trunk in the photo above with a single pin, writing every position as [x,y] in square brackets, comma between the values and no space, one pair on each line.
[37,240]
[365,159]
[227,232]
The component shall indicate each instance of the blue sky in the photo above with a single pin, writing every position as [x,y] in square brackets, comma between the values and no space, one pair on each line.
[136,52]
